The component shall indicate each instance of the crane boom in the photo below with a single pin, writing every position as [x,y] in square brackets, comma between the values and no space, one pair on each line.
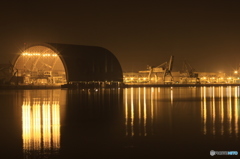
[164,68]
[188,69]
[170,63]
[168,70]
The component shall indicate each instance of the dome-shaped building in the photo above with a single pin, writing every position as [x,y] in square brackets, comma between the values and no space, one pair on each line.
[52,63]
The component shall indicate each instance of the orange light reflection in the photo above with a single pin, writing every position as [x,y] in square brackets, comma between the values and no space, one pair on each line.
[40,125]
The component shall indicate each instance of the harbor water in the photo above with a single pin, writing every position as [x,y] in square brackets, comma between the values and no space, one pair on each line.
[139,122]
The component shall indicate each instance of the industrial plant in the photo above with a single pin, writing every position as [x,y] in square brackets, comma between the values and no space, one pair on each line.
[163,74]
[64,64]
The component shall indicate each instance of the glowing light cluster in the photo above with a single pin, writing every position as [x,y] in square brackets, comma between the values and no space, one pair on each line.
[132,78]
[38,54]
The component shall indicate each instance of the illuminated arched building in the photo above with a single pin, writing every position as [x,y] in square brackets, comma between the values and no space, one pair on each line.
[53,63]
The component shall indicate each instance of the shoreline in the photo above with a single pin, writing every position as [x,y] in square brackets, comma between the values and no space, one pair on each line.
[180,85]
[26,87]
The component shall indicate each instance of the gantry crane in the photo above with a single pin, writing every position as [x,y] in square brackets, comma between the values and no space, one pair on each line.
[168,70]
[189,71]
[164,68]
[156,69]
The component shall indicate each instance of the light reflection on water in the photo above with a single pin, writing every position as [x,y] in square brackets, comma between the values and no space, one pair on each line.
[135,112]
[147,109]
[142,111]
[220,110]
[40,123]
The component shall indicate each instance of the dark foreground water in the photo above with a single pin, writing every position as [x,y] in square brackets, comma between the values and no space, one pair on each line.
[119,123]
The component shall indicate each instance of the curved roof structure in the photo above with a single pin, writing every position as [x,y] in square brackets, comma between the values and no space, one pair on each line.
[86,63]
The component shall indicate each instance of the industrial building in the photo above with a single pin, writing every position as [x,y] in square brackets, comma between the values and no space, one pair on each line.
[178,78]
[58,64]
[163,74]
[78,65]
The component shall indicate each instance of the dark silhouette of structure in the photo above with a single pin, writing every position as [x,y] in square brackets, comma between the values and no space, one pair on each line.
[88,63]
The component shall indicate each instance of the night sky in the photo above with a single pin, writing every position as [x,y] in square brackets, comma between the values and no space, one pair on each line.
[139,33]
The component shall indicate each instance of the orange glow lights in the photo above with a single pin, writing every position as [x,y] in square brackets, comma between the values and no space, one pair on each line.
[38,54]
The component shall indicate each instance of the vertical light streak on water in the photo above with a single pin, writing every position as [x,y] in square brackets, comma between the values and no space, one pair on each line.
[158,96]
[213,111]
[26,125]
[119,96]
[229,109]
[201,93]
[145,111]
[56,125]
[170,111]
[156,103]
[139,110]
[132,113]
[204,112]
[222,112]
[152,94]
[210,112]
[236,111]
[46,125]
[219,108]
[126,111]
[36,126]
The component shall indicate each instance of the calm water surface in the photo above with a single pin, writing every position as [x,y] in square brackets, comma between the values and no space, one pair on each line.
[119,123]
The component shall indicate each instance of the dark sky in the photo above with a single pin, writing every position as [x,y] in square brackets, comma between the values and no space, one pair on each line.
[139,33]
